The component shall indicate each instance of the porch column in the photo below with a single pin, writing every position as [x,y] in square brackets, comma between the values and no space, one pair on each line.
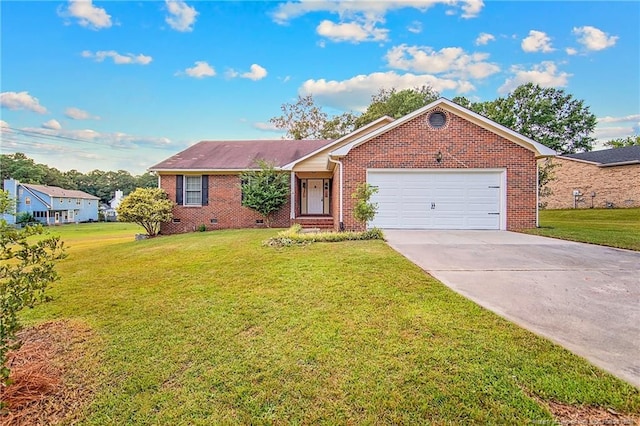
[293,195]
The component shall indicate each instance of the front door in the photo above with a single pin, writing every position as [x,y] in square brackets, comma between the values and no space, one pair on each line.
[315,196]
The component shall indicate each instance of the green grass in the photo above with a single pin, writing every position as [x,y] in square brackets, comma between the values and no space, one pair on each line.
[609,227]
[215,328]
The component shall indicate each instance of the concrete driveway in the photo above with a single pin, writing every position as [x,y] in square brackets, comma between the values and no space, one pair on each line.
[581,296]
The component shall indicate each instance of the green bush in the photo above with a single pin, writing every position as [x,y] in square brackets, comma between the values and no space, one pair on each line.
[295,236]
[25,217]
[201,228]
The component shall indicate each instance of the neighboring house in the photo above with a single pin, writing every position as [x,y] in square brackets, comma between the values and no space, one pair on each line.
[109,211]
[596,179]
[440,167]
[51,205]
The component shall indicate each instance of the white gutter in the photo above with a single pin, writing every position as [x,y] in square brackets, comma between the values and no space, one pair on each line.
[338,162]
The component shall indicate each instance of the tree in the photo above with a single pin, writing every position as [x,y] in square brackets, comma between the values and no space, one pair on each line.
[264,190]
[546,115]
[147,180]
[623,142]
[302,120]
[546,174]
[26,271]
[364,210]
[147,207]
[18,166]
[396,104]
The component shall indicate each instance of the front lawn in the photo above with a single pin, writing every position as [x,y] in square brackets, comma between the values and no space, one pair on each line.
[608,227]
[215,328]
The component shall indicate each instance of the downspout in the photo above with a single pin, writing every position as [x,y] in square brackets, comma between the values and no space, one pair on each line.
[537,196]
[339,163]
[293,195]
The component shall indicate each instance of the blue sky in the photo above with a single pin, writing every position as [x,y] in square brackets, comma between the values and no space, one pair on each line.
[123,85]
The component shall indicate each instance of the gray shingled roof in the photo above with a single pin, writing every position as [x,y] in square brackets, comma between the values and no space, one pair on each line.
[239,155]
[629,154]
[58,192]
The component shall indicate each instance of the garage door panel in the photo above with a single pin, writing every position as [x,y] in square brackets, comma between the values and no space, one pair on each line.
[462,200]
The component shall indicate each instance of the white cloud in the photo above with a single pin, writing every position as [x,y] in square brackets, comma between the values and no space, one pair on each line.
[4,126]
[351,31]
[471,8]
[87,14]
[571,51]
[537,41]
[484,38]
[267,127]
[545,74]
[51,124]
[450,61]
[634,118]
[372,10]
[355,93]
[111,139]
[21,100]
[119,59]
[201,70]
[181,16]
[257,73]
[79,114]
[604,134]
[593,38]
[415,27]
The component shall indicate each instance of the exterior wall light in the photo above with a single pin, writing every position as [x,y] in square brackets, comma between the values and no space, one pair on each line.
[439,157]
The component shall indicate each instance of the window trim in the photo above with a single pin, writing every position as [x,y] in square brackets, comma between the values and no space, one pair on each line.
[192,191]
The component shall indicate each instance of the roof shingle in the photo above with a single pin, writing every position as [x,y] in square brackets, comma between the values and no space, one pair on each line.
[58,192]
[239,155]
[628,154]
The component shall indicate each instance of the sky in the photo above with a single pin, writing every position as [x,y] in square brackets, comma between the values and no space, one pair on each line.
[123,85]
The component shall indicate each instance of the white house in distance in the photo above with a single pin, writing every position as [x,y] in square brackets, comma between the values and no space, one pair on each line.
[109,211]
[51,205]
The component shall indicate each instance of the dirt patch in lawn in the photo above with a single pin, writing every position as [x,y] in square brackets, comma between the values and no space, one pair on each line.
[566,414]
[50,380]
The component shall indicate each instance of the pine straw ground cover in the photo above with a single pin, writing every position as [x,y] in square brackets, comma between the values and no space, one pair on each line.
[215,328]
[47,386]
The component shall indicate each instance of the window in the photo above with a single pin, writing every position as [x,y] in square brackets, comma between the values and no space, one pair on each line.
[437,120]
[27,201]
[193,190]
[78,201]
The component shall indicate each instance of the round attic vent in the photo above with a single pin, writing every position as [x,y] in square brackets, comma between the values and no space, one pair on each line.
[437,119]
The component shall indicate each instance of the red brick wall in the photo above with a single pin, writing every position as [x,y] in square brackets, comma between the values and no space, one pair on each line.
[414,144]
[224,205]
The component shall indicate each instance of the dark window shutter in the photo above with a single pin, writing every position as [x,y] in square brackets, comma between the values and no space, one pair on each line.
[205,190]
[179,190]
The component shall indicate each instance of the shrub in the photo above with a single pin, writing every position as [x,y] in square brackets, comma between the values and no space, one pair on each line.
[294,236]
[364,210]
[25,217]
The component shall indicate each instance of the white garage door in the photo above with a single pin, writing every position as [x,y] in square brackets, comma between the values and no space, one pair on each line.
[437,199]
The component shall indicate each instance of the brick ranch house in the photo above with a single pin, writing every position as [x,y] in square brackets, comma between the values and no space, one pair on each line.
[440,167]
[596,179]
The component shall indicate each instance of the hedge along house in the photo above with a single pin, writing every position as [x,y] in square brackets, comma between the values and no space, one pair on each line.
[440,167]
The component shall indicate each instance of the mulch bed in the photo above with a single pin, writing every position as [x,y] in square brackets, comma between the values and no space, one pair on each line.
[47,385]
